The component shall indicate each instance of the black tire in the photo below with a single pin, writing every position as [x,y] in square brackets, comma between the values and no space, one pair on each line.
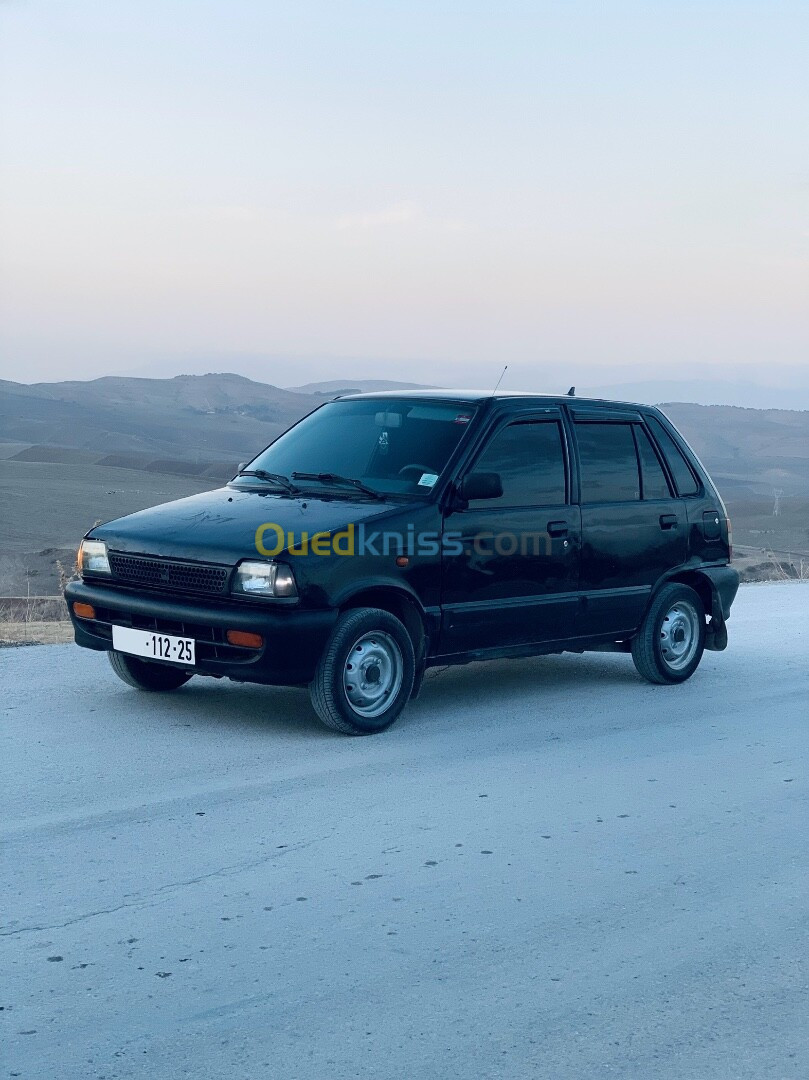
[671,640]
[145,675]
[385,656]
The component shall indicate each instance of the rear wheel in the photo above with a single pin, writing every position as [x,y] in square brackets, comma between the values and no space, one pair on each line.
[669,645]
[145,675]
[365,675]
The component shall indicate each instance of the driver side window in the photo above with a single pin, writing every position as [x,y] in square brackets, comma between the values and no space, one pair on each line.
[529,457]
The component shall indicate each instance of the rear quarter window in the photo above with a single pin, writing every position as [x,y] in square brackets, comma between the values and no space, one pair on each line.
[684,478]
[655,484]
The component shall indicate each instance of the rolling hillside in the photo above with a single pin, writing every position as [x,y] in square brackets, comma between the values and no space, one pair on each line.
[73,452]
[214,416]
[750,449]
[220,419]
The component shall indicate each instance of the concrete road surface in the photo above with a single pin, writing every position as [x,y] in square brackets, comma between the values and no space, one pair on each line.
[547,869]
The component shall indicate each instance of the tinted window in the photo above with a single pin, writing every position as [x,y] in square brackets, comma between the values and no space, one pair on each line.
[609,463]
[655,485]
[680,470]
[530,461]
[391,444]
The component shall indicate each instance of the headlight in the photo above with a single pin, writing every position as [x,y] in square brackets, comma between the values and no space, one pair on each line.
[93,557]
[263,579]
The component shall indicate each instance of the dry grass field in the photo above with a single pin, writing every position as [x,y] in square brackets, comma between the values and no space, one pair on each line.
[35,633]
[34,620]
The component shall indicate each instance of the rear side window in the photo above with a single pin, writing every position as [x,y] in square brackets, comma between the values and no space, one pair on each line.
[675,459]
[608,463]
[530,460]
[655,484]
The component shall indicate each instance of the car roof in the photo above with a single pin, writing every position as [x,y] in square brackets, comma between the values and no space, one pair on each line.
[478,397]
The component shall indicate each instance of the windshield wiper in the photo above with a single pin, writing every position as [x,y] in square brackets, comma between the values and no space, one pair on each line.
[272,478]
[335,478]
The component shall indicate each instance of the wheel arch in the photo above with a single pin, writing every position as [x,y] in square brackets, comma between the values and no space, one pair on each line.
[398,602]
[716,606]
[696,581]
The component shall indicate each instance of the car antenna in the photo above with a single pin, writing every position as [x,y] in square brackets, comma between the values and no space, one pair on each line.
[571,392]
[502,373]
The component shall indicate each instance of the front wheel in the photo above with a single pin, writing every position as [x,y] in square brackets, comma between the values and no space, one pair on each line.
[671,640]
[144,675]
[365,675]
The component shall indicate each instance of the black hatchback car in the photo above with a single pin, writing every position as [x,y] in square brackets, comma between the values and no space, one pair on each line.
[386,533]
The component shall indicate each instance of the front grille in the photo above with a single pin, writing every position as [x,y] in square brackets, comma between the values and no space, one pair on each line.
[166,574]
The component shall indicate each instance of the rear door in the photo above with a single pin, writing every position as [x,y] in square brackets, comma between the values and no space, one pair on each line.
[708,535]
[510,565]
[633,528]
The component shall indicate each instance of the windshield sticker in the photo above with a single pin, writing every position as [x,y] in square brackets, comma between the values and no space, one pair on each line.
[428,479]
[462,418]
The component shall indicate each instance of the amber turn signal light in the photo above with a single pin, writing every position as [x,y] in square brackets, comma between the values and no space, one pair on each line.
[84,611]
[244,639]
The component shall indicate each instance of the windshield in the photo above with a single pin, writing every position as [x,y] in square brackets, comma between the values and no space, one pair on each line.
[393,446]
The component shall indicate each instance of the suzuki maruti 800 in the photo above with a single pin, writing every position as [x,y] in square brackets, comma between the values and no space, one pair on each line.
[385,533]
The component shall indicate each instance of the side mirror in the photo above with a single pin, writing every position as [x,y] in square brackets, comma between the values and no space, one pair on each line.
[242,465]
[481,485]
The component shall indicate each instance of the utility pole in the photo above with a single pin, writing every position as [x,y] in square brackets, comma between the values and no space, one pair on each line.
[776,509]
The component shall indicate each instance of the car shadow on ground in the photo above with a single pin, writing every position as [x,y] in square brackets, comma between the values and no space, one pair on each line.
[531,680]
[241,709]
[482,688]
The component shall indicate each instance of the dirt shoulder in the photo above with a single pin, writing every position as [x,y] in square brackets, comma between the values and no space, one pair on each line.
[35,633]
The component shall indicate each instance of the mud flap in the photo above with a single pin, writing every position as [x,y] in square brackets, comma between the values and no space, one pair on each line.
[716,636]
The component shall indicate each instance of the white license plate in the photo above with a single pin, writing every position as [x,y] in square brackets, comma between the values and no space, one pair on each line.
[153,646]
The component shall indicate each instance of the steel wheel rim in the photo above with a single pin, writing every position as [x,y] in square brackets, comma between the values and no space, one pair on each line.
[372,674]
[679,635]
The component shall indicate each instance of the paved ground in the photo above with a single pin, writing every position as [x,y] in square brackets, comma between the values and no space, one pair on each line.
[547,869]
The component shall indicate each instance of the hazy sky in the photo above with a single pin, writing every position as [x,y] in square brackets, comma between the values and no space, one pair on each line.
[418,189]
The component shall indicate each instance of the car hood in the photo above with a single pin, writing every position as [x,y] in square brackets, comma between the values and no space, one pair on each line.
[220,526]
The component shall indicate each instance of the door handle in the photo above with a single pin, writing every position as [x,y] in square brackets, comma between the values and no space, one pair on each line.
[557,528]
[668,521]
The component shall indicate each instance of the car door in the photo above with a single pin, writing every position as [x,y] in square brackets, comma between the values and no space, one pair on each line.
[633,528]
[510,564]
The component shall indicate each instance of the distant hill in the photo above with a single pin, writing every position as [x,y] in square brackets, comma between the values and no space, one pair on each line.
[213,421]
[75,452]
[188,417]
[735,392]
[760,449]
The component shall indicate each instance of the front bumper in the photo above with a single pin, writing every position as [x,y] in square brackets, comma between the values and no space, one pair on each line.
[294,638]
